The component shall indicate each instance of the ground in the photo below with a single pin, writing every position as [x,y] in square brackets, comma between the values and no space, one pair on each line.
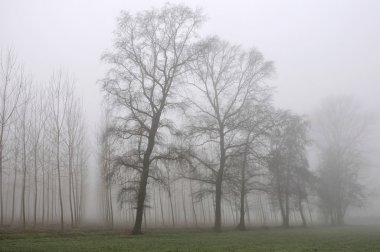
[274,239]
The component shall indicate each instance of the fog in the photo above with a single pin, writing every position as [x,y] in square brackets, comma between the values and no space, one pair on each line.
[319,49]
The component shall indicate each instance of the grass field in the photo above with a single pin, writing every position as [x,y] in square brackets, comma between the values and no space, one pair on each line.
[312,239]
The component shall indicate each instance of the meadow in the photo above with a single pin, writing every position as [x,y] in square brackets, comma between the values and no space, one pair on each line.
[349,238]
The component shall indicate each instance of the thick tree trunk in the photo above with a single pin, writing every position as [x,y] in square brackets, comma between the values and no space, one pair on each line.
[141,195]
[144,177]
[218,184]
[218,203]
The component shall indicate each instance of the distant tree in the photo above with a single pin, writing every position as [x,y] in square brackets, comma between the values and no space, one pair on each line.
[58,109]
[224,79]
[16,153]
[25,123]
[11,82]
[75,142]
[340,126]
[287,163]
[106,159]
[38,119]
[151,51]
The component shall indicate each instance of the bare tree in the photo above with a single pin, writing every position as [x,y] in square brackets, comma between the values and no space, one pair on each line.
[224,79]
[151,51]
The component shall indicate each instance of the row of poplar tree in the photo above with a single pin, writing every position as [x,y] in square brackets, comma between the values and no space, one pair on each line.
[42,148]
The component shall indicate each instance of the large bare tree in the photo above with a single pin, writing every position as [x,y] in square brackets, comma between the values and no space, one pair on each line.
[223,79]
[150,55]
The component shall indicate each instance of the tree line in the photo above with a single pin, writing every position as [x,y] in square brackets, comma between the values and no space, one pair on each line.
[43,152]
[189,136]
[192,116]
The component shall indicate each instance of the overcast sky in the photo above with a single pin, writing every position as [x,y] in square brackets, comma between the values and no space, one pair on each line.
[320,48]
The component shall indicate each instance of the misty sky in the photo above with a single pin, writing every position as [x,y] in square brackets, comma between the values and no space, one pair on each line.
[320,48]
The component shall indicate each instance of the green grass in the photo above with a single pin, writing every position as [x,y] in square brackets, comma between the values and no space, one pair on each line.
[312,239]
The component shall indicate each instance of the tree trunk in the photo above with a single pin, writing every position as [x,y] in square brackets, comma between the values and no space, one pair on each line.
[43,193]
[339,217]
[300,208]
[59,185]
[24,177]
[171,205]
[263,216]
[141,196]
[218,201]
[35,188]
[193,204]
[218,185]
[241,225]
[286,194]
[282,207]
[14,188]
[110,204]
[161,205]
[144,177]
[70,185]
[184,204]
